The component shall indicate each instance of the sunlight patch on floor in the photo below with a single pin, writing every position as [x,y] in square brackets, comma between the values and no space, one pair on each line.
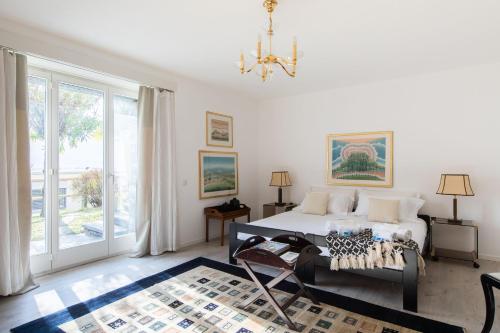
[48,302]
[98,285]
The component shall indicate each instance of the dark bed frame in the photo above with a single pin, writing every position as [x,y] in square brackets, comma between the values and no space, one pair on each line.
[408,277]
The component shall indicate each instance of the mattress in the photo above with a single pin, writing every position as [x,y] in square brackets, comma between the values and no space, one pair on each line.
[316,224]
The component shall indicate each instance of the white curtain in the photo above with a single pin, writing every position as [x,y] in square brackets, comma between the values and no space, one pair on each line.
[15,176]
[156,222]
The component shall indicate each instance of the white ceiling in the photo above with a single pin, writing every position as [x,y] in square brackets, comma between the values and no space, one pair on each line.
[345,41]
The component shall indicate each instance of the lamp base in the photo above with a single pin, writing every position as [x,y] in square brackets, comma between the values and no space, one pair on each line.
[455,221]
[280,204]
[280,197]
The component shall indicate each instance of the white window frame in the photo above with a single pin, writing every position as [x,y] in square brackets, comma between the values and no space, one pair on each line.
[55,258]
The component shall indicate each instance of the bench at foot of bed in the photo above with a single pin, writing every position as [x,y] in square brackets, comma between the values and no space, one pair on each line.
[408,277]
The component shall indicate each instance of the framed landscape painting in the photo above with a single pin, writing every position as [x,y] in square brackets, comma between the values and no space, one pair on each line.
[219,130]
[218,173]
[360,159]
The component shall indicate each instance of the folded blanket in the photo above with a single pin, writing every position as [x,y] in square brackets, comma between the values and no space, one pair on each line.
[343,227]
[391,232]
[381,231]
[361,251]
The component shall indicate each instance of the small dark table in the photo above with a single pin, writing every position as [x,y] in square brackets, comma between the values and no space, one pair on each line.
[247,255]
[453,254]
[223,216]
[489,281]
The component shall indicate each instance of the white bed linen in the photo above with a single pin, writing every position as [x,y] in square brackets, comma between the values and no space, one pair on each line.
[315,224]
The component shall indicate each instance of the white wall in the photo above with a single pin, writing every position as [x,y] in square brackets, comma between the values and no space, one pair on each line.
[442,122]
[193,99]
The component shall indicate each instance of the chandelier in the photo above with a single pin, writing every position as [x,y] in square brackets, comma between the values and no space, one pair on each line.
[265,63]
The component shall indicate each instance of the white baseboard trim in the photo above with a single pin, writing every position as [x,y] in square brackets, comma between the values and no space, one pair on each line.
[489,257]
[190,243]
[202,240]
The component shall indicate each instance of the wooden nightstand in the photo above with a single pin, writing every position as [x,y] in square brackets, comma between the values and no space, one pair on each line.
[454,254]
[271,209]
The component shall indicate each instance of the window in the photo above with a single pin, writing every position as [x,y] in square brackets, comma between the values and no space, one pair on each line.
[83,137]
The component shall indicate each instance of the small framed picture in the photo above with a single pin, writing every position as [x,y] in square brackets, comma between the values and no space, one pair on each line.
[218,174]
[219,130]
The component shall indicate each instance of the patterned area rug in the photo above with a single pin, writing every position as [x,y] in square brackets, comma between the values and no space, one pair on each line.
[202,296]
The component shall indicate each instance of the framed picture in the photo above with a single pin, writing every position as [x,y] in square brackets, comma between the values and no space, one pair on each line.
[218,173]
[360,159]
[219,130]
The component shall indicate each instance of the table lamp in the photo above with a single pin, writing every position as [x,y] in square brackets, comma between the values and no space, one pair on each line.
[456,185]
[280,179]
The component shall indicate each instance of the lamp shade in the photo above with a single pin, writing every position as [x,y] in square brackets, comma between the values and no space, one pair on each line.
[452,184]
[280,179]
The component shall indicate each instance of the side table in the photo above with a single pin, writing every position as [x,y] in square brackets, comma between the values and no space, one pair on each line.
[223,216]
[271,209]
[454,254]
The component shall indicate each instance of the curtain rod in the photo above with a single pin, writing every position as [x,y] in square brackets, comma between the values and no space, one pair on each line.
[10,49]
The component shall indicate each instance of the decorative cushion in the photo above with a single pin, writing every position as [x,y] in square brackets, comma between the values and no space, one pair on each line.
[382,210]
[315,203]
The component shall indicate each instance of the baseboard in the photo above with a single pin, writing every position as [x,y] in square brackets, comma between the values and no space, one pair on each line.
[85,262]
[190,243]
[489,257]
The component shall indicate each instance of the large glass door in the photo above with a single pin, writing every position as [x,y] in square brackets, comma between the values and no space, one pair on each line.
[84,166]
[79,205]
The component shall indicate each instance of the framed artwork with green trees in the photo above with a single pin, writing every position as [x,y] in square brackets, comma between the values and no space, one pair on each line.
[360,159]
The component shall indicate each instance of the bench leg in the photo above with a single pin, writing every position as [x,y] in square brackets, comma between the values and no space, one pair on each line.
[222,232]
[207,221]
[410,281]
[233,242]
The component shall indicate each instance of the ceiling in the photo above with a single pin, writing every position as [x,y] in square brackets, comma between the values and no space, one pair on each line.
[345,42]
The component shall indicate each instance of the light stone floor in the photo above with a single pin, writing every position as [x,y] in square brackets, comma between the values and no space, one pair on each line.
[451,292]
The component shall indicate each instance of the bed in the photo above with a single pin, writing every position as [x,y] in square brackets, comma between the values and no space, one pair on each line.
[313,228]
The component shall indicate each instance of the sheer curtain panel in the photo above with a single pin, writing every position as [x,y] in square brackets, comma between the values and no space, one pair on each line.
[15,176]
[156,223]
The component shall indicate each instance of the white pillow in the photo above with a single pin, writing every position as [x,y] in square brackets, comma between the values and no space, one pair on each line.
[364,195]
[315,203]
[408,207]
[339,204]
[383,210]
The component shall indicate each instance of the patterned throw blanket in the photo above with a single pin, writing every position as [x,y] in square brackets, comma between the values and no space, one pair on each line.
[360,251]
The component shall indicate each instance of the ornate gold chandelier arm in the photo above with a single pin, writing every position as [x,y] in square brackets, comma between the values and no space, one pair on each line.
[283,65]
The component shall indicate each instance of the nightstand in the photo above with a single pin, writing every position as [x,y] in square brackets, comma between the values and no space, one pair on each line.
[454,254]
[271,209]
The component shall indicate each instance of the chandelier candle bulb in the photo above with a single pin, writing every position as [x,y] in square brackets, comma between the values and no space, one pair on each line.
[242,63]
[259,48]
